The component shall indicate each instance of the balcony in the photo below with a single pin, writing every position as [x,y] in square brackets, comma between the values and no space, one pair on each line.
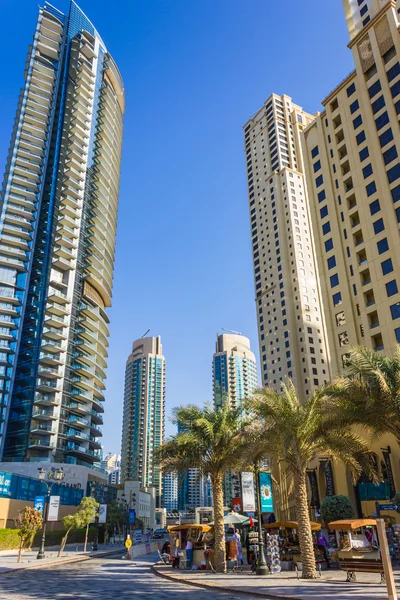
[46,399]
[46,385]
[45,415]
[42,443]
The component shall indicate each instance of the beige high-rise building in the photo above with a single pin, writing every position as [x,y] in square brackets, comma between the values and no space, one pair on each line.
[353,171]
[290,325]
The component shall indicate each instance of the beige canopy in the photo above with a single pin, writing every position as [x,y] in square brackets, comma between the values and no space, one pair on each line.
[351,524]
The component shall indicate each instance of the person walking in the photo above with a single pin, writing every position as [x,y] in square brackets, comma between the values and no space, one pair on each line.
[236,538]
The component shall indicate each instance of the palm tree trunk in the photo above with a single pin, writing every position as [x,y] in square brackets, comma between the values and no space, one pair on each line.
[303,519]
[63,542]
[86,537]
[219,529]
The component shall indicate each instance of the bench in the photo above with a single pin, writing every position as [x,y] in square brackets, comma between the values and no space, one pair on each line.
[361,565]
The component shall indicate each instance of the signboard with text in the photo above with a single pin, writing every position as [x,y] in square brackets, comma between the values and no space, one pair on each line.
[236,504]
[267,504]
[54,505]
[39,504]
[103,513]
[248,497]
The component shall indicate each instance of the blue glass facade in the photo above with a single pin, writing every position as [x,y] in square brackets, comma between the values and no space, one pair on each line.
[51,278]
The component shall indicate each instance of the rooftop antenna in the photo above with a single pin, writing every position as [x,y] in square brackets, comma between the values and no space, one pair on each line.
[231,331]
[144,335]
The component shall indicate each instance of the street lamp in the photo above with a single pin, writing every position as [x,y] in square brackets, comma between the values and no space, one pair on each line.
[262,568]
[59,476]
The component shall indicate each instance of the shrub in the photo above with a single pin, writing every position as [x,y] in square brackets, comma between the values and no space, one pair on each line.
[336,508]
[9,539]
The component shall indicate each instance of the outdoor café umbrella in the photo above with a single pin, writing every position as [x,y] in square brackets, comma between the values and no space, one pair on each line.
[234,518]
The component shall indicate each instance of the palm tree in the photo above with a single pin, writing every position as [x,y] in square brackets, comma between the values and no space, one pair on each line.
[369,391]
[213,441]
[297,432]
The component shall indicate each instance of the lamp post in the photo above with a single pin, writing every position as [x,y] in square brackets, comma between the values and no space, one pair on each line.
[59,476]
[96,533]
[262,568]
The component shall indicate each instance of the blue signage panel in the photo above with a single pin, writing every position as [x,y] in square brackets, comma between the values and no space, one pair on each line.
[388,506]
[132,516]
[267,504]
[5,483]
[39,503]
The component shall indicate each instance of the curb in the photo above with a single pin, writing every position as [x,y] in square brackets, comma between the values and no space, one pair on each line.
[215,586]
[60,562]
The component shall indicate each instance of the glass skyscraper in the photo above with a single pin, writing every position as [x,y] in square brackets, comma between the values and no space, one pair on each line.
[144,414]
[59,203]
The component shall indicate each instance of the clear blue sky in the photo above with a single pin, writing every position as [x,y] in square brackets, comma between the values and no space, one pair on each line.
[194,71]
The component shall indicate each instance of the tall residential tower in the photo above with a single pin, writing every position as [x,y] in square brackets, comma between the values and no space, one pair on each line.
[144,413]
[59,202]
[234,380]
[234,369]
[289,315]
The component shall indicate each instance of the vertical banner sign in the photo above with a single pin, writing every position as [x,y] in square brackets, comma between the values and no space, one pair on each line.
[103,513]
[5,484]
[54,505]
[236,504]
[329,481]
[267,504]
[132,516]
[248,497]
[388,464]
[39,504]
[312,478]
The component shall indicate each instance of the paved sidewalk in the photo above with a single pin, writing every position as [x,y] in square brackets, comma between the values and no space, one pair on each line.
[285,585]
[72,553]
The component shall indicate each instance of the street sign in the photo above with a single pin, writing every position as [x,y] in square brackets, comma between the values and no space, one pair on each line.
[387,506]
[128,543]
[54,505]
[39,504]
[138,535]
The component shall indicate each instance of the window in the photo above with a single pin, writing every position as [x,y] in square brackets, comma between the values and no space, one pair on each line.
[315,152]
[379,226]
[360,138]
[371,188]
[390,155]
[323,212]
[337,299]
[395,89]
[357,122]
[393,72]
[367,171]
[386,137]
[395,310]
[396,193]
[398,214]
[321,196]
[374,207]
[326,228]
[394,173]
[364,153]
[331,262]
[387,266]
[391,288]
[317,166]
[383,246]
[355,106]
[374,89]
[382,120]
[350,90]
[378,104]
[319,181]
[328,245]
[334,279]
[397,334]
